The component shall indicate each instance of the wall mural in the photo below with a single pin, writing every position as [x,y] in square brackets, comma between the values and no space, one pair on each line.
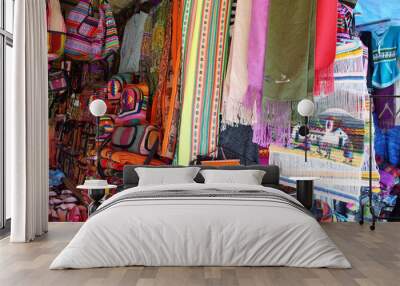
[137,67]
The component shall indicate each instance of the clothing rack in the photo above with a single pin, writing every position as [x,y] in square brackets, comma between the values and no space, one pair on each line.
[374,216]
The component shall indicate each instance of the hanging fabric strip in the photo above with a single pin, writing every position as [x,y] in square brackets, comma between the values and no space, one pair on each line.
[288,71]
[206,45]
[235,84]
[325,46]
[160,94]
[256,52]
[171,104]
[289,68]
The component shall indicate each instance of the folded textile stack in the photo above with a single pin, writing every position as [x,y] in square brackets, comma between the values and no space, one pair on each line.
[64,206]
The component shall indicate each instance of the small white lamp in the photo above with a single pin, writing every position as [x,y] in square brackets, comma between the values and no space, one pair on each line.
[306,109]
[98,108]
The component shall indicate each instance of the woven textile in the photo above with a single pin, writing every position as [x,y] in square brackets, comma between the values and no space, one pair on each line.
[205,27]
[344,22]
[153,44]
[350,81]
[171,102]
[117,83]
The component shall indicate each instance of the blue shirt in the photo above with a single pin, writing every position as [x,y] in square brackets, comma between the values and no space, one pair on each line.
[386,50]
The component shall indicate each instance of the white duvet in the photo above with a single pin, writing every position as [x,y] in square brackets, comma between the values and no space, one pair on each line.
[191,231]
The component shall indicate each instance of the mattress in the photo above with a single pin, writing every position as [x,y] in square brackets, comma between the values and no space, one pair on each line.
[201,225]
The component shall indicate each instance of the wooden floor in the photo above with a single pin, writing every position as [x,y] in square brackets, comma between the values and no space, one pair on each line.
[375,257]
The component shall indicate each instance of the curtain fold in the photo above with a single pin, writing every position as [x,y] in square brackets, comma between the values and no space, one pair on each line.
[27,124]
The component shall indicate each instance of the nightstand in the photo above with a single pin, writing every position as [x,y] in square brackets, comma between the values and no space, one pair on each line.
[305,190]
[97,191]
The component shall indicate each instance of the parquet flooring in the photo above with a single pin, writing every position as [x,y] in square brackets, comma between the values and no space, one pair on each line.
[375,257]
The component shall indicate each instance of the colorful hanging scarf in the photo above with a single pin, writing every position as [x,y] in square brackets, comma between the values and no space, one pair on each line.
[256,53]
[153,44]
[289,68]
[157,112]
[236,81]
[172,102]
[205,27]
[325,46]
[111,41]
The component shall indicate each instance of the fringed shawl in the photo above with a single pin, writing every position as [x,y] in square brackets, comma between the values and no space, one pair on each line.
[289,68]
[256,55]
[235,85]
[325,46]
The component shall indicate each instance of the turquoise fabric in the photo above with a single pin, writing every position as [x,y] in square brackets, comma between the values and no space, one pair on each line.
[385,46]
[374,10]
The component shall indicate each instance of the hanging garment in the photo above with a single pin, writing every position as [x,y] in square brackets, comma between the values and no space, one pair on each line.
[290,50]
[171,103]
[132,43]
[289,68]
[344,22]
[236,81]
[256,54]
[160,94]
[56,30]
[205,27]
[350,81]
[153,44]
[111,41]
[325,46]
[385,107]
[385,45]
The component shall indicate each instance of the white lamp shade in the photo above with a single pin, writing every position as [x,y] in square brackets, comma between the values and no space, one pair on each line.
[306,108]
[98,107]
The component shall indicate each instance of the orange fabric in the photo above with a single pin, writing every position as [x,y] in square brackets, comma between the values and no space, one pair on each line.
[171,103]
[127,158]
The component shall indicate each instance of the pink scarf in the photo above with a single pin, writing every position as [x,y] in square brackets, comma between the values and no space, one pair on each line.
[256,54]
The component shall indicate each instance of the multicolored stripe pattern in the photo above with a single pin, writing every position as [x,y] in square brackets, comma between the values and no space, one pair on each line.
[204,48]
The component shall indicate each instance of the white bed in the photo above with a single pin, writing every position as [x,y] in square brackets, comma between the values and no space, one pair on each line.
[224,225]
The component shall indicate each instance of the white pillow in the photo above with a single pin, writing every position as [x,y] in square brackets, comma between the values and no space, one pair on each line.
[247,177]
[166,176]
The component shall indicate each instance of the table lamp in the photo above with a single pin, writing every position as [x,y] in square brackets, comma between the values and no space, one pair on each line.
[306,109]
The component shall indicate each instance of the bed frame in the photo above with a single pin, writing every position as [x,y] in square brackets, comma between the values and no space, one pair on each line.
[271,177]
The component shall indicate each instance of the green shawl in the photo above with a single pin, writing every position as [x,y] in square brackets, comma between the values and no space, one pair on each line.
[289,62]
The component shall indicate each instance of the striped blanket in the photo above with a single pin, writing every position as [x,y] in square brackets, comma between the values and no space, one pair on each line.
[205,194]
[204,45]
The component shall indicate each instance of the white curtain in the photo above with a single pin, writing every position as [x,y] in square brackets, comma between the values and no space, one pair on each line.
[27,124]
